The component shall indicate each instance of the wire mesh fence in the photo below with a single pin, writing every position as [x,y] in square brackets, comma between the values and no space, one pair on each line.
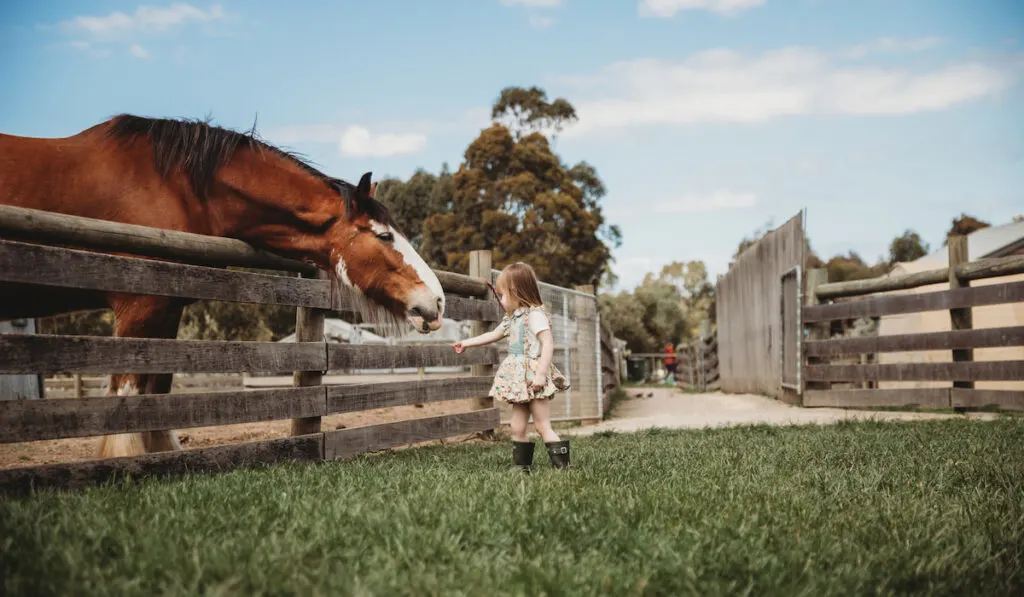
[576,328]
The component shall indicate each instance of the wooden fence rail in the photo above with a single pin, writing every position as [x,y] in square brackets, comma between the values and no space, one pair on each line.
[197,270]
[961,372]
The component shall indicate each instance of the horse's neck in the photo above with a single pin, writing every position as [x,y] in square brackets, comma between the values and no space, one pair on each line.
[85,175]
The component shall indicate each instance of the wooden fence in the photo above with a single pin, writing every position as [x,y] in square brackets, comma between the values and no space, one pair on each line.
[855,384]
[750,313]
[197,273]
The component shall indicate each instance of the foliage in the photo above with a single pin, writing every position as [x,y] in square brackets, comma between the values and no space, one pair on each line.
[525,111]
[411,202]
[216,320]
[202,320]
[965,225]
[842,268]
[663,309]
[80,323]
[907,247]
[514,196]
[850,509]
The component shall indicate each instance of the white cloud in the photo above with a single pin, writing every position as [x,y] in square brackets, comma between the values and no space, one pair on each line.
[469,121]
[539,22]
[359,141]
[891,45]
[727,86]
[666,9]
[533,3]
[145,18]
[720,200]
[138,51]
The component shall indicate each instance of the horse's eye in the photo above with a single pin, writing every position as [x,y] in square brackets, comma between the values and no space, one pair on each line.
[386,237]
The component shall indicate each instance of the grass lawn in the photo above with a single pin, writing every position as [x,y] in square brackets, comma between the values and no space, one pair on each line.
[851,509]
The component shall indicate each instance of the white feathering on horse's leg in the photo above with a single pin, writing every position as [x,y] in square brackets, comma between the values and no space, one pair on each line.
[123,444]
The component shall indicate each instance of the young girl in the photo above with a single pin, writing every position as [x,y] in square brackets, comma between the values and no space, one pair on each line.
[527,379]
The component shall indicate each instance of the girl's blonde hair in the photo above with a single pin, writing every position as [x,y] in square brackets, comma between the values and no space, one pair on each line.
[519,281]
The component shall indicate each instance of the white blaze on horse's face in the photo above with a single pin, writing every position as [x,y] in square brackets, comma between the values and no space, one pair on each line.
[425,305]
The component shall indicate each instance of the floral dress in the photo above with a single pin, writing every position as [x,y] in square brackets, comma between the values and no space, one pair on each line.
[512,381]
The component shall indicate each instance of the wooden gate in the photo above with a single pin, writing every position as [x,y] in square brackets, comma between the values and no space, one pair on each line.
[791,328]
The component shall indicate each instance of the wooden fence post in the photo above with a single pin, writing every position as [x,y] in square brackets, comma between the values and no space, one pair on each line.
[79,388]
[816,331]
[960,319]
[480,267]
[309,327]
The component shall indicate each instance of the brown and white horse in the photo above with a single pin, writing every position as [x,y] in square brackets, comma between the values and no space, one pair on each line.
[191,176]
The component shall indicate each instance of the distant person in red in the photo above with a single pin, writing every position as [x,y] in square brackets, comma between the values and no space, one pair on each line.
[670,360]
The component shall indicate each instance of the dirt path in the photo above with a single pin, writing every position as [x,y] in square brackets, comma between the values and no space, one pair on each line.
[671,408]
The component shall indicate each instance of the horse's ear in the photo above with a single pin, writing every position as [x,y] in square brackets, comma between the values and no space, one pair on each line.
[365,189]
[373,190]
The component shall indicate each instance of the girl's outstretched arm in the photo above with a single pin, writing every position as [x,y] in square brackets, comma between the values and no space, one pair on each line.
[481,340]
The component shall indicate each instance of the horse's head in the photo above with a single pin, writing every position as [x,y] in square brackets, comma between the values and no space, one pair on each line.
[274,199]
[373,258]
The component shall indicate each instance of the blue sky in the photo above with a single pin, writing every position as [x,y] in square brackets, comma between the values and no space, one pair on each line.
[705,118]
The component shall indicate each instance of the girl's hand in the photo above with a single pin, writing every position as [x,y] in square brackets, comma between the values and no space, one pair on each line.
[458,347]
[537,384]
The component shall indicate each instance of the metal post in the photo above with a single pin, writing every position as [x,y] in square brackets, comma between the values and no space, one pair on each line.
[566,340]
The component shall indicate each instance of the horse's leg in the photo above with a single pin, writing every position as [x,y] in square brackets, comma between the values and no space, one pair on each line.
[142,317]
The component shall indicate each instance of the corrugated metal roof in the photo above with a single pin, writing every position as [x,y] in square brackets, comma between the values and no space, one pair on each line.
[987,242]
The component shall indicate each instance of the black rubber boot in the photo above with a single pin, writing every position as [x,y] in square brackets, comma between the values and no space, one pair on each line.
[558,452]
[522,455]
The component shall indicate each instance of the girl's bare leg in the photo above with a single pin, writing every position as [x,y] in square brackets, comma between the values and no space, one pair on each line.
[520,418]
[541,410]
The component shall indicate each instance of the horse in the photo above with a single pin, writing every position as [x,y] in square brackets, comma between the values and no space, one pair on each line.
[189,175]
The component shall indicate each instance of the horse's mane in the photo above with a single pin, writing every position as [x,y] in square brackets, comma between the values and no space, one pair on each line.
[200,148]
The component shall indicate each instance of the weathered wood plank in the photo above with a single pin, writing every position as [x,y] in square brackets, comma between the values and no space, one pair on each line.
[991,268]
[960,319]
[974,270]
[309,327]
[361,356]
[205,460]
[993,294]
[467,309]
[360,397]
[909,397]
[461,284]
[974,398]
[749,311]
[32,420]
[55,266]
[346,443]
[972,371]
[86,354]
[39,226]
[989,337]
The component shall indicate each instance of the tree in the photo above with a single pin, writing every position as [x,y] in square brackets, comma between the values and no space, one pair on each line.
[647,318]
[965,225]
[624,316]
[411,202]
[696,293]
[907,247]
[525,111]
[842,268]
[514,196]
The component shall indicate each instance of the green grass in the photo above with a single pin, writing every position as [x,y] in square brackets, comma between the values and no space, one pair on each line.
[852,509]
